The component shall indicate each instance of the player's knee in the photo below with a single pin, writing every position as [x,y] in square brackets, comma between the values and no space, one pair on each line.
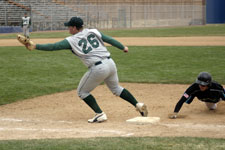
[117,91]
[82,94]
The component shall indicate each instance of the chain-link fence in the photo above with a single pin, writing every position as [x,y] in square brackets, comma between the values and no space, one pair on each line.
[132,16]
[47,15]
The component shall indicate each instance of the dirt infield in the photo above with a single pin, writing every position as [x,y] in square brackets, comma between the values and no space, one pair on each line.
[64,115]
[144,41]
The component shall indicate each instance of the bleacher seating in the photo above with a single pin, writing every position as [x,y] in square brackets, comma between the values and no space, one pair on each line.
[51,14]
[103,2]
[8,16]
[42,13]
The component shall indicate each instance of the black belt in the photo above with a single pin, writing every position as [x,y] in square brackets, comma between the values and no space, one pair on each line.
[100,62]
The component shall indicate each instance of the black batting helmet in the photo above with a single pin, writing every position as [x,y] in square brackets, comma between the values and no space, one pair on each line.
[204,78]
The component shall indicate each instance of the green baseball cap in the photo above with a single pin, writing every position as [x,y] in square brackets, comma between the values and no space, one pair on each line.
[74,21]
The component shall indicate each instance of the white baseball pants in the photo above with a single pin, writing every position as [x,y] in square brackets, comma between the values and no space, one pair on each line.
[105,71]
[26,30]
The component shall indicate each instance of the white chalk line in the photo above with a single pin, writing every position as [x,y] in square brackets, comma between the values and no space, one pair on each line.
[27,120]
[58,130]
[61,130]
[214,127]
[10,119]
[75,131]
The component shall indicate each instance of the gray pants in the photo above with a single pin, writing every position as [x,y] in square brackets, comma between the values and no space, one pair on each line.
[26,32]
[104,72]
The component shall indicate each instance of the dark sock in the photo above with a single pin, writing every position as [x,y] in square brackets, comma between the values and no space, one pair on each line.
[90,100]
[126,95]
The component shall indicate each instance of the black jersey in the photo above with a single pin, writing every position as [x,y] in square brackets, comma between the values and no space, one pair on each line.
[213,94]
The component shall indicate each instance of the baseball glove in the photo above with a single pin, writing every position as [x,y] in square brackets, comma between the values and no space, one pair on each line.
[26,42]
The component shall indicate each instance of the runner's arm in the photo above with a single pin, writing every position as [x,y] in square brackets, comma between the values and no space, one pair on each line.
[179,104]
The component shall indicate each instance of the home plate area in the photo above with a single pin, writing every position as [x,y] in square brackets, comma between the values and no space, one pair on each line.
[143,120]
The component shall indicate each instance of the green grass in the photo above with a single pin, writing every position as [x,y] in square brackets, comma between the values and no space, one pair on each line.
[171,64]
[26,74]
[206,30]
[117,143]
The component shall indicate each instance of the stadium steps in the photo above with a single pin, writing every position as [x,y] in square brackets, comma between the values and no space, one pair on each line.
[79,11]
[26,8]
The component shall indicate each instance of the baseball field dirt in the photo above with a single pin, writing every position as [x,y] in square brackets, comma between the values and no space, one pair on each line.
[144,41]
[64,115]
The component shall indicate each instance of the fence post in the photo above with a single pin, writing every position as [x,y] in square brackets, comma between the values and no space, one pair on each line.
[130,17]
[6,17]
[51,19]
[203,12]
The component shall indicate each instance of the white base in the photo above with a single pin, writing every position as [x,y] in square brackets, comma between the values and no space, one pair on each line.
[143,120]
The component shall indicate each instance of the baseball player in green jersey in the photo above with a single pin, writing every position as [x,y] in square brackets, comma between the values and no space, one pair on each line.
[25,24]
[88,46]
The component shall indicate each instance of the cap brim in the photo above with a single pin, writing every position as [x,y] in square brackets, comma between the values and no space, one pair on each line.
[66,24]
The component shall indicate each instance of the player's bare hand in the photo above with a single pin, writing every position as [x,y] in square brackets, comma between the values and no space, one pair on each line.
[30,46]
[125,50]
[173,115]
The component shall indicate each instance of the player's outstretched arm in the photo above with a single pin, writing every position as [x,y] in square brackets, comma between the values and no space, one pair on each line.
[177,108]
[113,42]
[61,45]
[30,45]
